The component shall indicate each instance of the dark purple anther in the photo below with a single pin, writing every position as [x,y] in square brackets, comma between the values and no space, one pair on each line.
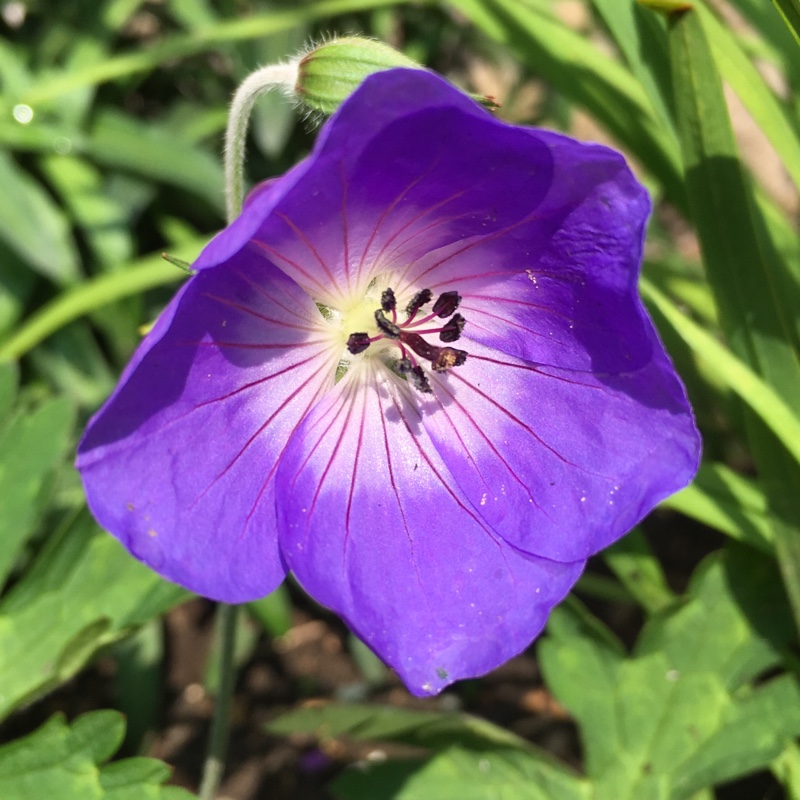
[446,304]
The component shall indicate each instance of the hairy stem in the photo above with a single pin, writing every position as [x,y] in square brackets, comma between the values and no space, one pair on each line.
[275,76]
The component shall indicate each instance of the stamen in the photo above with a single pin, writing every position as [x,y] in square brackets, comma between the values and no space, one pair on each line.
[417,301]
[446,304]
[441,358]
[358,343]
[449,357]
[388,301]
[387,328]
[451,331]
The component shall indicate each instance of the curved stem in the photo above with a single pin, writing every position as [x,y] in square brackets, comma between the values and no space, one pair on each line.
[275,76]
[218,743]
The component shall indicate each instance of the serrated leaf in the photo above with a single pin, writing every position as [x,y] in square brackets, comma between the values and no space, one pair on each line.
[31,445]
[84,592]
[753,732]
[60,761]
[659,724]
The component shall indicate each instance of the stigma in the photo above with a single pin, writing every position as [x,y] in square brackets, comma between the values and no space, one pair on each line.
[409,334]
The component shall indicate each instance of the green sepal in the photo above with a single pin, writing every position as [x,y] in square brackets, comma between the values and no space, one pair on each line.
[330,72]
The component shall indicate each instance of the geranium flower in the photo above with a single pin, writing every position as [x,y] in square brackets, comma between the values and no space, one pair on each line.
[415,372]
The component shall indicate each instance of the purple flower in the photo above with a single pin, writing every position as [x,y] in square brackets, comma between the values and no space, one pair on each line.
[416,373]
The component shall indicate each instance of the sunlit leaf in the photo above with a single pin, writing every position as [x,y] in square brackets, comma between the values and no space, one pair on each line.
[84,591]
[67,762]
[32,442]
[682,712]
[33,226]
[751,284]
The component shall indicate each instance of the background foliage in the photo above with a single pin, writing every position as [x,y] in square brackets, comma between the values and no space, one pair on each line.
[111,114]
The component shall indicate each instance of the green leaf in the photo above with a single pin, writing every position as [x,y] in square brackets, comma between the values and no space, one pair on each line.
[751,734]
[459,774]
[8,390]
[31,443]
[586,76]
[677,715]
[200,40]
[739,71]
[102,220]
[34,227]
[473,758]
[634,563]
[728,502]
[136,278]
[64,762]
[421,728]
[773,35]
[786,769]
[642,40]
[74,365]
[120,141]
[84,592]
[790,11]
[274,611]
[139,660]
[756,294]
[776,414]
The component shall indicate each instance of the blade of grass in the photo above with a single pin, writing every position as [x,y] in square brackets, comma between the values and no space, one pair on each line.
[790,11]
[586,76]
[197,41]
[743,267]
[729,503]
[738,70]
[643,41]
[776,414]
[140,276]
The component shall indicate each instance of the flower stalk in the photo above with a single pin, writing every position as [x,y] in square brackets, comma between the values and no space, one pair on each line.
[220,724]
[274,76]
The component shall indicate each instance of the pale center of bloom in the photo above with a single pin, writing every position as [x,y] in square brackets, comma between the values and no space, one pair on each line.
[375,329]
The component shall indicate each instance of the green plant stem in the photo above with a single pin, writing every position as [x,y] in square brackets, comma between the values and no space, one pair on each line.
[220,725]
[274,76]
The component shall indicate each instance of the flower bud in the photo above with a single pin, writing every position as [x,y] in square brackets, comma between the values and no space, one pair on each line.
[329,73]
